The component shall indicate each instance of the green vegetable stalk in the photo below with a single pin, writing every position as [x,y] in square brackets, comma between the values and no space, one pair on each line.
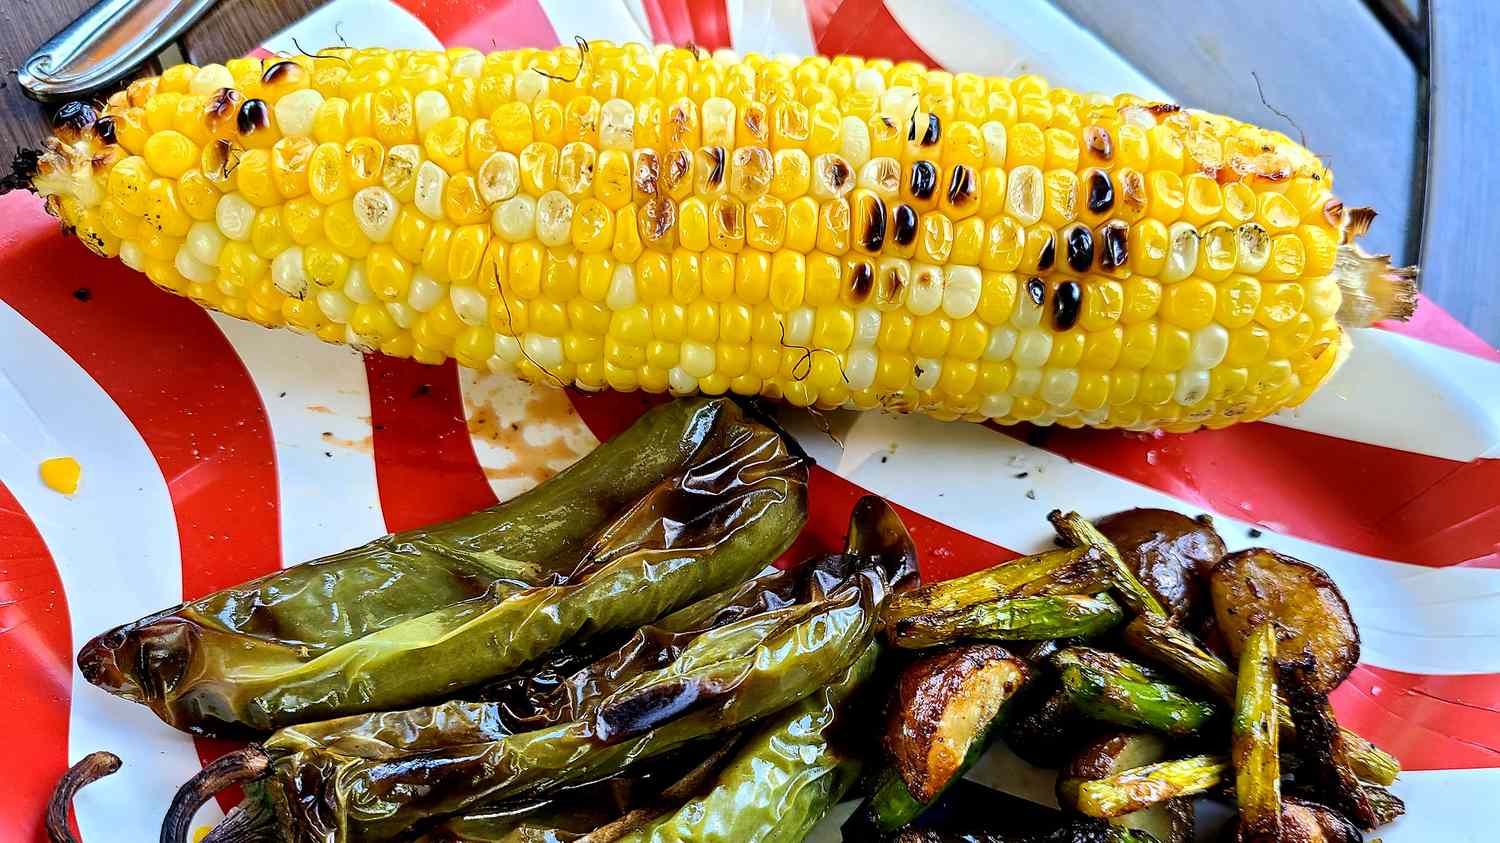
[1109,688]
[1136,789]
[371,778]
[1257,765]
[196,664]
[1157,640]
[1076,570]
[1010,619]
[1076,531]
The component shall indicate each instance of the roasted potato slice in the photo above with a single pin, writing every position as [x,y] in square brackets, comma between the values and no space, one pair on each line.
[1321,749]
[1312,619]
[1303,822]
[1169,552]
[1045,729]
[945,706]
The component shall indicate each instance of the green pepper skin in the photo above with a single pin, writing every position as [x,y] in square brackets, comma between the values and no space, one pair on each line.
[781,783]
[1010,619]
[186,663]
[1111,689]
[371,778]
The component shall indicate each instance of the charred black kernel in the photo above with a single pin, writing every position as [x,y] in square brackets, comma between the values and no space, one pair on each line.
[222,104]
[1113,252]
[279,71]
[861,281]
[960,186]
[924,179]
[931,135]
[839,173]
[105,129]
[1101,192]
[1096,138]
[904,225]
[1067,300]
[1048,255]
[874,234]
[1036,289]
[74,116]
[1080,248]
[716,175]
[254,116]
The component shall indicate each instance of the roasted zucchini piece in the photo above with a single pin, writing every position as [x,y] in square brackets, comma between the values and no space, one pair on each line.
[1113,689]
[1170,553]
[1311,616]
[1257,766]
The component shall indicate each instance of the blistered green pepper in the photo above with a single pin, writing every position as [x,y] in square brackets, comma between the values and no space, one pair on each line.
[372,777]
[194,664]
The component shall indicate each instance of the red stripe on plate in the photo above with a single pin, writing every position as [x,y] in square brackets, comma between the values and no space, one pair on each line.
[1429,722]
[174,375]
[425,465]
[671,21]
[1364,498]
[498,25]
[1433,324]
[36,648]
[862,28]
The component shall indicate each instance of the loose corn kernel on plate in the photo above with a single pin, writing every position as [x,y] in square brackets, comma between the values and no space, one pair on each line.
[837,233]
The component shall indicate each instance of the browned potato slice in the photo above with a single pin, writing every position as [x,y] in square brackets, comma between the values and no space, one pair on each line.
[1311,617]
[946,704]
[1170,553]
[1303,822]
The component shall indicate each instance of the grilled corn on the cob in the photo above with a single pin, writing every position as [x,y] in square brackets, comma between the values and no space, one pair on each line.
[834,232]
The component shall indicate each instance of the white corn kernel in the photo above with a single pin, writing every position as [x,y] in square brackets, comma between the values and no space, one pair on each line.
[718,116]
[1058,386]
[617,125]
[882,175]
[544,351]
[399,175]
[375,211]
[961,291]
[855,141]
[515,218]
[499,177]
[1028,314]
[1025,382]
[209,79]
[1210,344]
[1002,344]
[1254,248]
[427,191]
[621,288]
[1192,387]
[470,305]
[234,216]
[799,326]
[295,112]
[335,305]
[1182,252]
[554,218]
[993,133]
[530,84]
[132,255]
[680,382]
[866,327]
[697,359]
[926,293]
[507,348]
[832,177]
[926,373]
[1025,194]
[726,56]
[469,65]
[996,405]
[1033,347]
[424,292]
[430,106]
[869,81]
[402,315]
[204,241]
[191,268]
[899,103]
[356,286]
[859,369]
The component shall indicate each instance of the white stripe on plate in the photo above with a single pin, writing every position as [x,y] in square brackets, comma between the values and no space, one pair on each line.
[1020,36]
[318,405]
[612,21]
[770,27]
[512,421]
[115,546]
[964,475]
[1410,395]
[361,23]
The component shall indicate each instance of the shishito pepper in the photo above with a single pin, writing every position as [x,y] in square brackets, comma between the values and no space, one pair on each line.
[372,778]
[693,497]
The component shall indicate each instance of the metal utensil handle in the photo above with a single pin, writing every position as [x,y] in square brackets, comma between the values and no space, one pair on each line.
[104,44]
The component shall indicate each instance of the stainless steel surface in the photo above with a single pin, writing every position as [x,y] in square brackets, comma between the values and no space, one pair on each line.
[104,44]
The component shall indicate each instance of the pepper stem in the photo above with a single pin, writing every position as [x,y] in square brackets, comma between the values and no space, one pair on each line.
[237,767]
[93,767]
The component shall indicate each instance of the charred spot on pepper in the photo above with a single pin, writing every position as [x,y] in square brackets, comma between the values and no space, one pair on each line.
[280,72]
[1097,139]
[1048,255]
[1067,302]
[873,212]
[924,179]
[903,225]
[861,281]
[1101,192]
[930,135]
[1080,245]
[962,189]
[1114,252]
[254,116]
[1036,290]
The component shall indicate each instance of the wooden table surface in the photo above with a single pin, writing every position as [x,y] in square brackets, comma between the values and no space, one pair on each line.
[1398,95]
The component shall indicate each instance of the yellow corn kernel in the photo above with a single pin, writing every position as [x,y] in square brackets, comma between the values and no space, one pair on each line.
[1202,199]
[168,153]
[833,227]
[1149,243]
[197,194]
[1320,247]
[1288,258]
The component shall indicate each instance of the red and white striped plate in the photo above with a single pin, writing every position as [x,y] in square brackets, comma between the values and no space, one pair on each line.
[214,451]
